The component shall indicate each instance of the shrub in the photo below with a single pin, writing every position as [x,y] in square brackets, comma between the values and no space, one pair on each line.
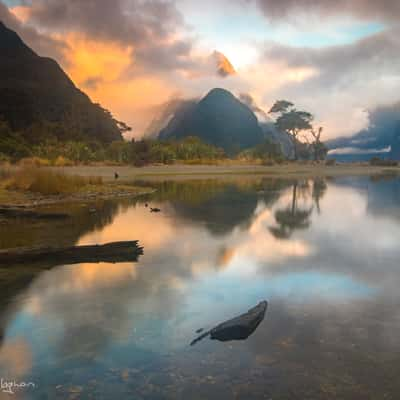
[5,171]
[376,161]
[34,162]
[62,161]
[268,162]
[48,182]
[330,162]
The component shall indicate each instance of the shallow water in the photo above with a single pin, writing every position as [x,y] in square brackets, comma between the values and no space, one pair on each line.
[324,253]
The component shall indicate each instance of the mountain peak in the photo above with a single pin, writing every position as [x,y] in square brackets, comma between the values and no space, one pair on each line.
[218,92]
[11,43]
[224,66]
[219,119]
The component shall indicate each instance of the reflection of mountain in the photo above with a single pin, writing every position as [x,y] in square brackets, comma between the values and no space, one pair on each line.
[330,287]
[60,233]
[219,206]
[221,213]
[55,233]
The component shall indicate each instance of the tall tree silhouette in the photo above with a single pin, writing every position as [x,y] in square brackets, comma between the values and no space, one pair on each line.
[291,121]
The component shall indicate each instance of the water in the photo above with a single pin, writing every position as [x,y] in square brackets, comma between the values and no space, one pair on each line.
[324,253]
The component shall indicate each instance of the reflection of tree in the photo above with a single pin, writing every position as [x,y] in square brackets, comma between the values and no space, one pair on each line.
[318,191]
[291,218]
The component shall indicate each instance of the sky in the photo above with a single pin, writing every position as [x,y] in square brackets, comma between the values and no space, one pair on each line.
[336,59]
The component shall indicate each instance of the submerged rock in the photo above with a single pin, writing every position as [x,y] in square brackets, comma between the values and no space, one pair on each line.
[238,328]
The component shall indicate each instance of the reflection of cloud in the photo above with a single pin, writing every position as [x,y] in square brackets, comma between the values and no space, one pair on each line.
[343,259]
[151,229]
[15,358]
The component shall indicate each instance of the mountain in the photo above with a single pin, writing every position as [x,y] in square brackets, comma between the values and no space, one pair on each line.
[282,138]
[380,139]
[38,98]
[219,119]
[165,112]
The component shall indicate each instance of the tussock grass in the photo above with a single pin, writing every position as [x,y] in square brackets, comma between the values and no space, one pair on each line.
[48,182]
[34,162]
[5,171]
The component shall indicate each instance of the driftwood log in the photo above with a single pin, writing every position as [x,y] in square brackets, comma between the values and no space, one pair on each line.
[238,328]
[110,252]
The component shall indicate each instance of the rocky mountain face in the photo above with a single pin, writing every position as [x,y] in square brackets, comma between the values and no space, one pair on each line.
[219,119]
[35,91]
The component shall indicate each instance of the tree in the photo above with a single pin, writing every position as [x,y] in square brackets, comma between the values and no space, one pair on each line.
[319,148]
[291,121]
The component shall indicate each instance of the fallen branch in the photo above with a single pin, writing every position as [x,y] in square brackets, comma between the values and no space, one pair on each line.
[110,252]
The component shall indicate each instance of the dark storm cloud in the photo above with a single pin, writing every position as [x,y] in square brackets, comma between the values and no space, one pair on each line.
[247,99]
[43,45]
[148,26]
[371,58]
[126,21]
[384,10]
[93,82]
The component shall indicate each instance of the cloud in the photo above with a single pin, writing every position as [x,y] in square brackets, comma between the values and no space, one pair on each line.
[247,99]
[45,45]
[347,79]
[152,29]
[92,82]
[385,10]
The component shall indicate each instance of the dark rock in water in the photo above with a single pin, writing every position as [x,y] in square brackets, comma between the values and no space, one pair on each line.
[238,328]
[200,330]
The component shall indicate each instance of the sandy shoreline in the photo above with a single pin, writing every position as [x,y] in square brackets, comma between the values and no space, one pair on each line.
[173,172]
[125,187]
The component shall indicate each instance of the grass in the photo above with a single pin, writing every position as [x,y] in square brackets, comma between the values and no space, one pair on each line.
[5,171]
[48,182]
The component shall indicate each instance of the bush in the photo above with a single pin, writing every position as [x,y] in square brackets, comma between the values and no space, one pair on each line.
[48,182]
[5,171]
[376,161]
[61,161]
[34,162]
[330,162]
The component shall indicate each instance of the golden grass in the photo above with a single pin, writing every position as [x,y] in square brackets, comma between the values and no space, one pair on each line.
[61,161]
[34,162]
[49,182]
[5,171]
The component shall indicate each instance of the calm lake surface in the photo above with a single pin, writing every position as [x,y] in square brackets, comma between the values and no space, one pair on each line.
[324,253]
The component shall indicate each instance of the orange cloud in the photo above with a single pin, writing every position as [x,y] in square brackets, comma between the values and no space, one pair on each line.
[93,59]
[101,70]
[22,13]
